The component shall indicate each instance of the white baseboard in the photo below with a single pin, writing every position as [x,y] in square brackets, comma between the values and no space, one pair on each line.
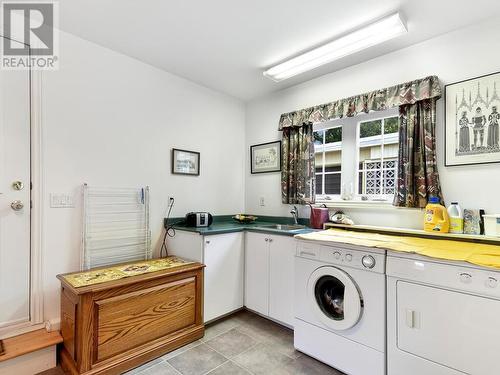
[31,363]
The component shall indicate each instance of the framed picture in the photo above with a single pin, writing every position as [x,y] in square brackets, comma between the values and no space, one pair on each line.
[472,121]
[265,157]
[185,162]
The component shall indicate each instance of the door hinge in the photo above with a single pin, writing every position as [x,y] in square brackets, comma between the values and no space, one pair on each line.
[31,204]
[31,185]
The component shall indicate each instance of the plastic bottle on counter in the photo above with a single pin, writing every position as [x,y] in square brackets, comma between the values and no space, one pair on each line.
[436,217]
[456,218]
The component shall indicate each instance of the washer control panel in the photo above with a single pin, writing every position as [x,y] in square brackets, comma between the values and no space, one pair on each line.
[345,256]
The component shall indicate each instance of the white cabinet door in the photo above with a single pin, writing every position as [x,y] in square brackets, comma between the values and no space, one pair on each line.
[281,278]
[257,272]
[223,257]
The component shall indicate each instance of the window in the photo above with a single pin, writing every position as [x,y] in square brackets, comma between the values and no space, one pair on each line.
[328,152]
[357,155]
[378,154]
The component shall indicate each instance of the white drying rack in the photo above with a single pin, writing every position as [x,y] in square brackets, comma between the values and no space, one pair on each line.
[115,226]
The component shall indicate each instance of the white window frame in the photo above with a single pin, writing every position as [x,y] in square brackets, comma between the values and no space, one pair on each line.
[350,161]
[325,147]
[394,137]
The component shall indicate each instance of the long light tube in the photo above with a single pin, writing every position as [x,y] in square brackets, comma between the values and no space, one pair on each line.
[380,31]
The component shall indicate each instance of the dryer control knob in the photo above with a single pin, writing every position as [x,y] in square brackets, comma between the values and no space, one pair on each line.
[348,257]
[368,261]
[466,278]
[491,282]
[336,255]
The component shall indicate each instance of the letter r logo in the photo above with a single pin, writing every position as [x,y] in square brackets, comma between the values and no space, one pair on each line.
[30,24]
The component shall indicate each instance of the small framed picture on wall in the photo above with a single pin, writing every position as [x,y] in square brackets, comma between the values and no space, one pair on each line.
[185,162]
[472,121]
[265,157]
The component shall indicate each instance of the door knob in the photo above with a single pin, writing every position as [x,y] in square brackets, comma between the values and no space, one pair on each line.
[17,185]
[17,205]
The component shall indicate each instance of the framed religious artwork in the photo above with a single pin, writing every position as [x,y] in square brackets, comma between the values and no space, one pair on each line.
[472,121]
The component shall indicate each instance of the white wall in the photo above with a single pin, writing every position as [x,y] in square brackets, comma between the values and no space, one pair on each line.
[110,120]
[456,56]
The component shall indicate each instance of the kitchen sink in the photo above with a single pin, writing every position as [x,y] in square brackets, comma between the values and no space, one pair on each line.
[284,227]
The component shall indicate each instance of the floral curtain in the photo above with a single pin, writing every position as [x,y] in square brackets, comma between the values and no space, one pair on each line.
[418,177]
[404,93]
[297,175]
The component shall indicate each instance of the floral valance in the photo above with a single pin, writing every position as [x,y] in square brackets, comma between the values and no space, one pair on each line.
[379,100]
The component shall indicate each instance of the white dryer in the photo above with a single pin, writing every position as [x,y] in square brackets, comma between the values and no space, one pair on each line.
[443,317]
[340,306]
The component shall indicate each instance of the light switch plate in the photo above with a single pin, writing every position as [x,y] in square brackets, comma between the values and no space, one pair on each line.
[60,200]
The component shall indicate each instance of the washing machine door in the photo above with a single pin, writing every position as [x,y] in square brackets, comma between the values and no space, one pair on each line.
[335,298]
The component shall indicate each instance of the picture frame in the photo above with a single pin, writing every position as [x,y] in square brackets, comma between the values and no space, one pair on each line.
[185,162]
[265,157]
[472,121]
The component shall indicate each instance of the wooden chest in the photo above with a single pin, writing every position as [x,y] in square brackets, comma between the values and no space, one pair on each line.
[117,325]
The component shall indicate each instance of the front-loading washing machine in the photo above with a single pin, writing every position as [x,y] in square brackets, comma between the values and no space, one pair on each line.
[340,306]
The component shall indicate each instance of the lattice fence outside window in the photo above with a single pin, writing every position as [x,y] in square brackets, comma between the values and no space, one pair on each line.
[379,177]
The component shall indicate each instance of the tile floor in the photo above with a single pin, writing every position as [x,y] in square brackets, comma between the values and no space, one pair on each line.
[241,344]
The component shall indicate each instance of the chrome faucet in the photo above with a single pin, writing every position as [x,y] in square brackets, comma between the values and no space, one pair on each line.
[295,214]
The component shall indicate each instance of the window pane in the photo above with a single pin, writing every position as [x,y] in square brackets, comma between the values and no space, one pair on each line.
[318,137]
[333,159]
[332,183]
[333,135]
[391,125]
[333,168]
[319,184]
[368,153]
[318,161]
[370,128]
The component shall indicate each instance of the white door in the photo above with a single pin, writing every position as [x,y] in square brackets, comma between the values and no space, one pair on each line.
[281,278]
[223,257]
[257,272]
[14,220]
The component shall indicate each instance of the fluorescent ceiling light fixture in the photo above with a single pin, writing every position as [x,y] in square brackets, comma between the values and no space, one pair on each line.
[375,33]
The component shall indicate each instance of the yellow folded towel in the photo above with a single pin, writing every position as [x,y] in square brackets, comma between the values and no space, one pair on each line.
[475,253]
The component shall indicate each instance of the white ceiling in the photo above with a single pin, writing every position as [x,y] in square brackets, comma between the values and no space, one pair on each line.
[226,44]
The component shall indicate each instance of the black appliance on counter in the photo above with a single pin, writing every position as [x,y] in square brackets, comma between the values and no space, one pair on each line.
[198,219]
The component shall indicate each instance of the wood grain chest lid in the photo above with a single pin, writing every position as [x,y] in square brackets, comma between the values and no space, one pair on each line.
[121,271]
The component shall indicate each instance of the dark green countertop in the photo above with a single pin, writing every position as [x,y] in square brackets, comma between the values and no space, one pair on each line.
[225,224]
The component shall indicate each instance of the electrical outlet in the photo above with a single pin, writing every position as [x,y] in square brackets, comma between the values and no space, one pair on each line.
[262,201]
